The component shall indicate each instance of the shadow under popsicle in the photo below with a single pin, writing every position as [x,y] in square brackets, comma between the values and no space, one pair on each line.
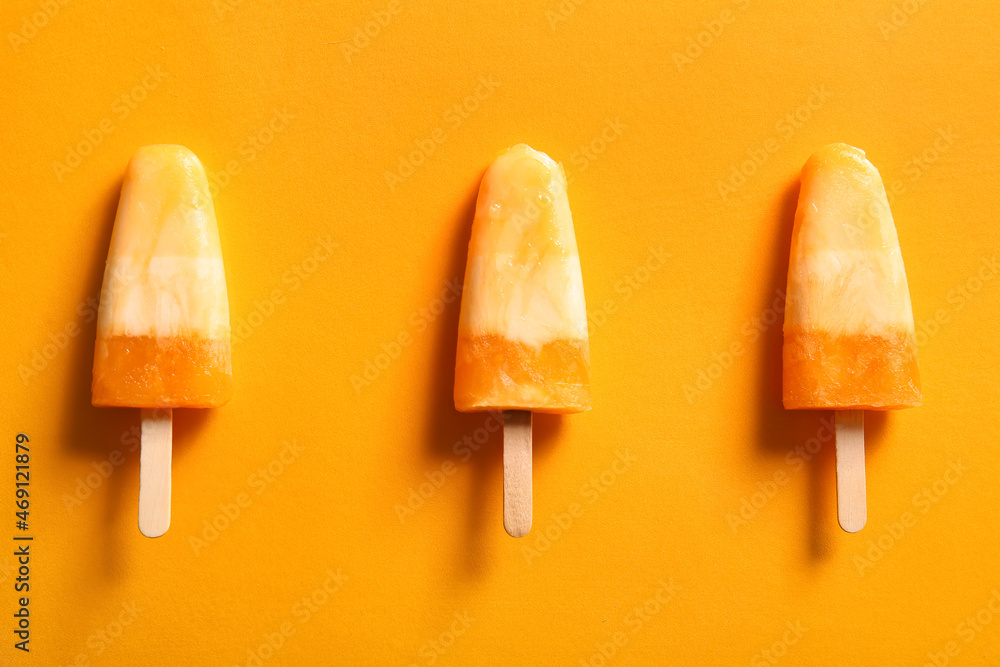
[87,432]
[803,439]
[481,433]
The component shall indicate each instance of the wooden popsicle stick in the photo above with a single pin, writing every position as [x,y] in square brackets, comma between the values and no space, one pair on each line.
[517,472]
[154,471]
[852,506]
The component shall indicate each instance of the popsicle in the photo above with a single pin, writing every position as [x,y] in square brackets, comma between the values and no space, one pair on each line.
[163,319]
[849,340]
[522,334]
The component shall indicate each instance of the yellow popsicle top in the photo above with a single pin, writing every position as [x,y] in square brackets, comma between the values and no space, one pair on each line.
[523,279]
[846,273]
[164,275]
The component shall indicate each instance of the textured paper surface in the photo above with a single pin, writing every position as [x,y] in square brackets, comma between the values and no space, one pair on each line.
[334,274]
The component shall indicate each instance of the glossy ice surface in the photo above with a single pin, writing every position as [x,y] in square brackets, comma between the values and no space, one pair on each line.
[163,323]
[522,337]
[849,335]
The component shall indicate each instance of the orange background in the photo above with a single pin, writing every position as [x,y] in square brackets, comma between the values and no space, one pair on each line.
[639,550]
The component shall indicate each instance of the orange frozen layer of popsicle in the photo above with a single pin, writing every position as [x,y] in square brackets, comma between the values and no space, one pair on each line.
[849,339]
[163,322]
[522,338]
